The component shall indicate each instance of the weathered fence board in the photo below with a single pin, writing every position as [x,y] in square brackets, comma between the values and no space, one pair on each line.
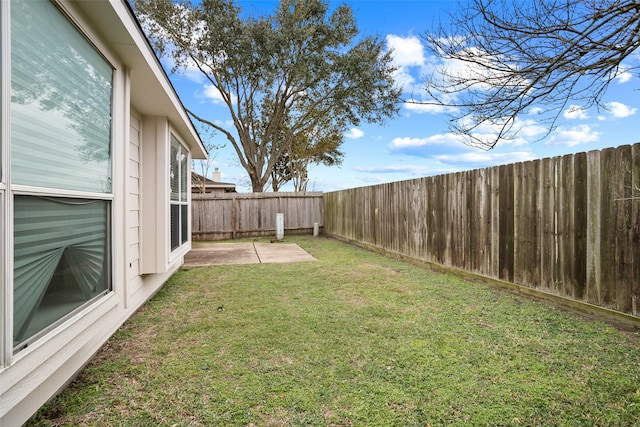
[624,242]
[221,216]
[580,215]
[568,225]
[594,227]
[635,230]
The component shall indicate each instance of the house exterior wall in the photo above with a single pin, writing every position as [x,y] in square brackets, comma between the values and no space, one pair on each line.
[133,200]
[141,128]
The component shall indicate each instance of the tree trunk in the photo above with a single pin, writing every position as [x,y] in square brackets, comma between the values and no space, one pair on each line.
[257,186]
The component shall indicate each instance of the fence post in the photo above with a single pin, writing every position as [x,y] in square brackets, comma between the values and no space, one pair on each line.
[234,218]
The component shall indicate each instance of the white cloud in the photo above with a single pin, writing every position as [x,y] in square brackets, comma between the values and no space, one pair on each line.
[620,110]
[225,123]
[419,108]
[485,158]
[404,79]
[407,51]
[623,75]
[530,128]
[213,95]
[408,57]
[354,133]
[523,131]
[381,173]
[570,137]
[478,70]
[434,140]
[189,70]
[411,169]
[575,112]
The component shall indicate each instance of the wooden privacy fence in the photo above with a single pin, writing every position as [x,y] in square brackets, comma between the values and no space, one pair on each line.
[221,216]
[567,225]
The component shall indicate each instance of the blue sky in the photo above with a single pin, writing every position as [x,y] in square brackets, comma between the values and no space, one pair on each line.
[417,143]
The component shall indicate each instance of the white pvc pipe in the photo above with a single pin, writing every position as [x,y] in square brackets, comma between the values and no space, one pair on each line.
[279,226]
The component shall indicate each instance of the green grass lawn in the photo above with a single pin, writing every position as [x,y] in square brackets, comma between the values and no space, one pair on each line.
[353,339]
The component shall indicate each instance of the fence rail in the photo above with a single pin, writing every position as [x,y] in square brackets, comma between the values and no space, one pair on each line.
[221,216]
[567,225]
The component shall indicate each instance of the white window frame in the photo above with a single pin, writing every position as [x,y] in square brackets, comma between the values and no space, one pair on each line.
[9,191]
[6,240]
[187,192]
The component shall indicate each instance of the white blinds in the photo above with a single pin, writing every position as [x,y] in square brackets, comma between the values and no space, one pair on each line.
[61,250]
[179,171]
[61,94]
[179,164]
[60,103]
[184,170]
[174,174]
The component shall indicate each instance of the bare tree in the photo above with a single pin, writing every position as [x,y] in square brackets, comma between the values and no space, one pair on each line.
[203,167]
[505,58]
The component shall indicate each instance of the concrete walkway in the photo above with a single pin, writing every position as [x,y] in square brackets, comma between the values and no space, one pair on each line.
[245,253]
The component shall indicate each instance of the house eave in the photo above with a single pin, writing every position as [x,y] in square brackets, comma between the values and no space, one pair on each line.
[152,93]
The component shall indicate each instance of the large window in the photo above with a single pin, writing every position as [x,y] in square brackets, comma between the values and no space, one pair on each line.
[60,103]
[179,203]
[60,187]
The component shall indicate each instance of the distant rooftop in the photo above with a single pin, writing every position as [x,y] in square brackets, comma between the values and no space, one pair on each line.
[210,186]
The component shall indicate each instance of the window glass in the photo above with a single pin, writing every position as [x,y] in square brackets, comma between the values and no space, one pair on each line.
[175,226]
[179,169]
[184,231]
[184,170]
[61,259]
[174,165]
[61,91]
[60,103]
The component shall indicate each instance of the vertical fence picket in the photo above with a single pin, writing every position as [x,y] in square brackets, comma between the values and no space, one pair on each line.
[495,222]
[580,224]
[608,239]
[623,202]
[520,251]
[506,223]
[594,227]
[532,190]
[566,225]
[635,229]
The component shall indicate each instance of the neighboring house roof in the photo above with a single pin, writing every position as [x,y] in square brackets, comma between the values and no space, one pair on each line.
[116,22]
[196,184]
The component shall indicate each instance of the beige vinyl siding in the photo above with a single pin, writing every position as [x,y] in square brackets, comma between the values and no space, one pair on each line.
[133,202]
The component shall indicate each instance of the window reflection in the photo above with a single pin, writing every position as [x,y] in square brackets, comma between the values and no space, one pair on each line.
[61,103]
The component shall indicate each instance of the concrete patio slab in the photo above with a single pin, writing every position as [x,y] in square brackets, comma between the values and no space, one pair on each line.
[221,253]
[281,252]
[245,253]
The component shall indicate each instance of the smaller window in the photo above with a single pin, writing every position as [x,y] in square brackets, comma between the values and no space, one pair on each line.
[61,259]
[179,169]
